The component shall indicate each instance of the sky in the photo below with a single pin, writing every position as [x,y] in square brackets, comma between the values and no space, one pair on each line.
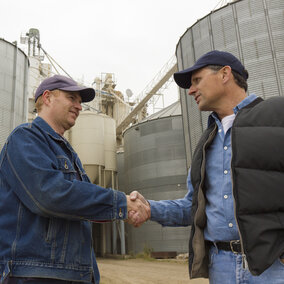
[130,38]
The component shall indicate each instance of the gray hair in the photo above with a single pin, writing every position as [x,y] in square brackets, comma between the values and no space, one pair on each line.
[239,79]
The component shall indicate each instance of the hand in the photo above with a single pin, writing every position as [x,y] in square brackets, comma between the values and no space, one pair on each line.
[138,216]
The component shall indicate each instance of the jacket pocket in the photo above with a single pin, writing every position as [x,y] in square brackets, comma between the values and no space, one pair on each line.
[66,167]
[50,230]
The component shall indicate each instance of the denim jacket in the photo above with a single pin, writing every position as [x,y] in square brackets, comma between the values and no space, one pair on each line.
[45,211]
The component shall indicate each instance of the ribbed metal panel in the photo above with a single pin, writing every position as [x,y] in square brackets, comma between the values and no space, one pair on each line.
[224,30]
[201,37]
[253,30]
[13,88]
[183,97]
[120,171]
[154,164]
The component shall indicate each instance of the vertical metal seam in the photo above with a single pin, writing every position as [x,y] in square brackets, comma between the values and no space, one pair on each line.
[210,32]
[25,94]
[188,149]
[187,107]
[13,101]
[237,29]
[269,31]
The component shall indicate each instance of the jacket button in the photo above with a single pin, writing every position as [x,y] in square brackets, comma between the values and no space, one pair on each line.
[120,214]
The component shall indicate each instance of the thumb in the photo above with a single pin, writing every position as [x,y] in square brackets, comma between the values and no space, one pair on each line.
[133,195]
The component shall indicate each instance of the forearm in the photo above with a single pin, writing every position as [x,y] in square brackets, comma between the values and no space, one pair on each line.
[173,213]
[58,197]
[46,184]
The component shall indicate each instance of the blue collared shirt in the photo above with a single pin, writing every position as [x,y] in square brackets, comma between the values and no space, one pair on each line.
[221,224]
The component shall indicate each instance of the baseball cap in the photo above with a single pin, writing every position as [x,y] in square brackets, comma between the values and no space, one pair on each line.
[59,82]
[215,57]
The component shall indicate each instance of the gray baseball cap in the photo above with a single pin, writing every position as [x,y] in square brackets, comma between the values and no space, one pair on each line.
[59,82]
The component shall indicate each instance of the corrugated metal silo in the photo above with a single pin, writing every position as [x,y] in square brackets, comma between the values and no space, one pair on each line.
[93,138]
[253,30]
[13,88]
[154,165]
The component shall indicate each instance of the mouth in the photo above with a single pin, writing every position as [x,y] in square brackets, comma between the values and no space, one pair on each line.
[197,98]
[75,113]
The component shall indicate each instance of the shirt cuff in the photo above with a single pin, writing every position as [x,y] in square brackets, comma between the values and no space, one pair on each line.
[155,212]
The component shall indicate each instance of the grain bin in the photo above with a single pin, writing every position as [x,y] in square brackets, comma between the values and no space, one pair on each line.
[250,29]
[93,138]
[154,165]
[13,88]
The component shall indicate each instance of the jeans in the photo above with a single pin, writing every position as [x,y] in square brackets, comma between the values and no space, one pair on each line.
[226,267]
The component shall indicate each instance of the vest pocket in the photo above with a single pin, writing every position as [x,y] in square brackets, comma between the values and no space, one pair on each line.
[280,216]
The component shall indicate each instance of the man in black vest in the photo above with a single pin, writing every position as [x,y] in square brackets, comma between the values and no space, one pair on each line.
[235,200]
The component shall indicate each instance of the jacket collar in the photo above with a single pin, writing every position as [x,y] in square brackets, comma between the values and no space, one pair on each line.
[44,126]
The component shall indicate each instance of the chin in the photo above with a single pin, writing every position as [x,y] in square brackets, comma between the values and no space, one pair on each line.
[71,124]
[203,107]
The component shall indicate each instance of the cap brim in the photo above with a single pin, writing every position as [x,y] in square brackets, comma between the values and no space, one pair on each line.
[183,78]
[87,94]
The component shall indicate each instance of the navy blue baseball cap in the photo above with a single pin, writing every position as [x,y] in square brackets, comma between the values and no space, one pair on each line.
[59,82]
[215,57]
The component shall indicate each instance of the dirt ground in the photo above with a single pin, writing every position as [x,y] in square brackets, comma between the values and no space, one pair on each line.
[140,271]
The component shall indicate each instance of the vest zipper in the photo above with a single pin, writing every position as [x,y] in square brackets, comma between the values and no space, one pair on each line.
[244,258]
[209,139]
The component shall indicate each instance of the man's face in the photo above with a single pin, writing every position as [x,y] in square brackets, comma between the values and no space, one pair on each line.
[65,108]
[207,89]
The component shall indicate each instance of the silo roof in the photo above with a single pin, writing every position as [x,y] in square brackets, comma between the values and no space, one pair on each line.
[172,110]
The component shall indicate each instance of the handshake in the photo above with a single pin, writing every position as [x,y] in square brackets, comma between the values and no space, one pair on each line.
[138,208]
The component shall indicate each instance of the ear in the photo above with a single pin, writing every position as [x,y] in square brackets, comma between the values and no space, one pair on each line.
[46,96]
[226,73]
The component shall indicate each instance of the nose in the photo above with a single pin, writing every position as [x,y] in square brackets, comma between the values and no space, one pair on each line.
[192,90]
[78,105]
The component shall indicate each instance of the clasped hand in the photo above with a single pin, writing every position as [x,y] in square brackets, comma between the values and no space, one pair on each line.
[138,208]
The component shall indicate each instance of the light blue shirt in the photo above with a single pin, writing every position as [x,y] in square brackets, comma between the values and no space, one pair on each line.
[221,223]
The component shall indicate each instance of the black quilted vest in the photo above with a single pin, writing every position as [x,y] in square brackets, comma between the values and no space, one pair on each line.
[258,186]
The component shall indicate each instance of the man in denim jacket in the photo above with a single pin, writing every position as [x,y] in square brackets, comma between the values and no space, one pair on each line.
[46,198]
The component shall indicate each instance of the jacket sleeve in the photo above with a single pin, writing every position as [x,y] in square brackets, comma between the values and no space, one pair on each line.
[32,172]
[173,213]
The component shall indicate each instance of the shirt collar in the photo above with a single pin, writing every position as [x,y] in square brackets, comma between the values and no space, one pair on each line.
[213,117]
[249,99]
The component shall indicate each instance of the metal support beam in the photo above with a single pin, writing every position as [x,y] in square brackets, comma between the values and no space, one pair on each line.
[122,236]
[148,96]
[114,238]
